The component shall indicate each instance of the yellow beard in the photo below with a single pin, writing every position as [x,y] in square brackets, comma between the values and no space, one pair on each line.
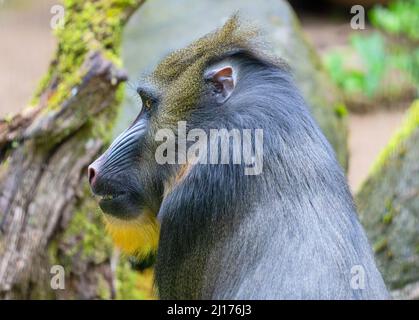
[137,237]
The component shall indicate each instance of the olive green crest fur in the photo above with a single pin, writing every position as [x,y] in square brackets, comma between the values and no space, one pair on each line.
[180,75]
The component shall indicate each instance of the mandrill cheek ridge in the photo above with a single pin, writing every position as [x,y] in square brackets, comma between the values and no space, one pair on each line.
[117,183]
[124,151]
[118,165]
[124,141]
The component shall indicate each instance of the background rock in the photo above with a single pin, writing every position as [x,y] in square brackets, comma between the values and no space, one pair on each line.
[388,205]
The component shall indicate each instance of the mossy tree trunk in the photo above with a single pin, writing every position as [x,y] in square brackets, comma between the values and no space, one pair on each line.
[47,215]
[388,205]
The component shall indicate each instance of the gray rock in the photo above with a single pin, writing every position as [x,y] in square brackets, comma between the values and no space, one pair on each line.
[388,206]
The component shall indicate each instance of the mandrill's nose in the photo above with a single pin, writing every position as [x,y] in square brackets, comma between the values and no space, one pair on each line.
[92,172]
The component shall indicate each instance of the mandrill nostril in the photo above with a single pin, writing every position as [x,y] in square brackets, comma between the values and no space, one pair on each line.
[91,173]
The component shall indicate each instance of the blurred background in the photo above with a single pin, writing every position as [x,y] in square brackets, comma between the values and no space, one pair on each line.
[375,68]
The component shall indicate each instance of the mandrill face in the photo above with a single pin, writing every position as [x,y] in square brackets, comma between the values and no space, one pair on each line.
[122,178]
[117,176]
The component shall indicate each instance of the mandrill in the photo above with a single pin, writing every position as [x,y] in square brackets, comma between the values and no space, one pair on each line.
[288,230]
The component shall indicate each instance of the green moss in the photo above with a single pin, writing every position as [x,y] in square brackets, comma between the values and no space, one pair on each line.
[341,110]
[15,144]
[87,234]
[8,118]
[410,124]
[103,289]
[52,252]
[388,218]
[85,239]
[390,212]
[5,164]
[126,283]
[380,245]
[89,26]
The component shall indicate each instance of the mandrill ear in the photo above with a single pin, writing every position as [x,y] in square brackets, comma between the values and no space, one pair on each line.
[223,79]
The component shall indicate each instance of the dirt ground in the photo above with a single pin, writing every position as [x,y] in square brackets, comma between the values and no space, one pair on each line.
[368,135]
[27,45]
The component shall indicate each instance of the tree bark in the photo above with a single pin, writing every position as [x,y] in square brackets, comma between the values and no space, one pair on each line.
[46,217]
[388,205]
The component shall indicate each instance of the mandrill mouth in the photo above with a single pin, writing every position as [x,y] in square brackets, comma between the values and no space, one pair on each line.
[122,205]
[109,198]
[120,198]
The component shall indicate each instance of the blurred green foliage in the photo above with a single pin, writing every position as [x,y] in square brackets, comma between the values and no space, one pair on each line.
[371,50]
[377,54]
[400,18]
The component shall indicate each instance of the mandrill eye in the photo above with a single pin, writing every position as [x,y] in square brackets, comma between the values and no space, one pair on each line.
[147,103]
[147,97]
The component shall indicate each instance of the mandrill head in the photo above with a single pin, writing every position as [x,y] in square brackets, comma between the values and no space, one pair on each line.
[198,85]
